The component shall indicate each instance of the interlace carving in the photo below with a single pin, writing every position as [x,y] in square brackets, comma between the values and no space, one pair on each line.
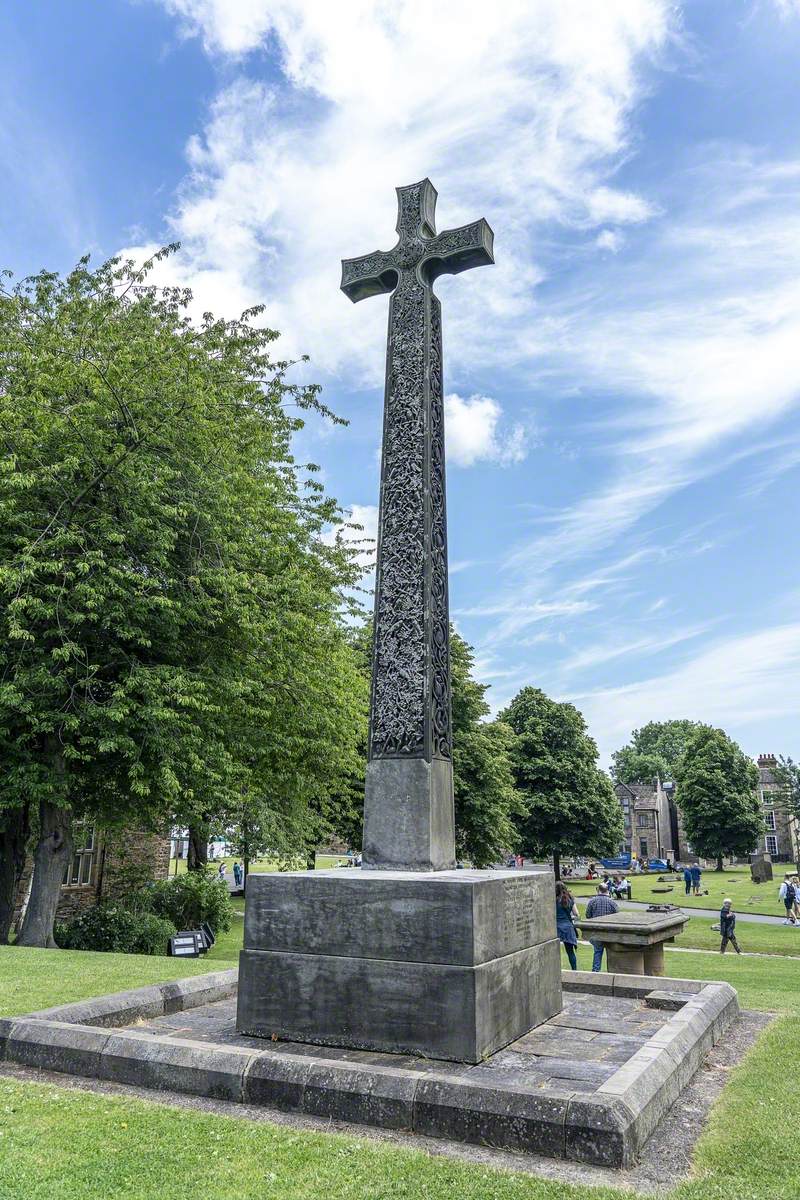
[410,709]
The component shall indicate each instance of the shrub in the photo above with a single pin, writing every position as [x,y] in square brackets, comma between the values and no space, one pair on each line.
[188,900]
[113,927]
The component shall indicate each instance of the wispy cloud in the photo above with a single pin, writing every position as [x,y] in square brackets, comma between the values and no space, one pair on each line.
[735,682]
[703,353]
[643,646]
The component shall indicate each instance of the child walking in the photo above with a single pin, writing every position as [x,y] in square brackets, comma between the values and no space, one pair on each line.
[727,927]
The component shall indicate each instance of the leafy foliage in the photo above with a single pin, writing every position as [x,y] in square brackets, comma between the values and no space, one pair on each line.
[188,900]
[112,927]
[486,800]
[717,795]
[170,615]
[787,776]
[653,751]
[569,804]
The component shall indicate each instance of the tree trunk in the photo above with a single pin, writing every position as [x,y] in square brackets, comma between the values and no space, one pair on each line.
[14,835]
[556,864]
[53,852]
[719,863]
[197,855]
[246,869]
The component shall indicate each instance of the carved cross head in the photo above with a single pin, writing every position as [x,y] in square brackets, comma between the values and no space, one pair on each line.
[419,248]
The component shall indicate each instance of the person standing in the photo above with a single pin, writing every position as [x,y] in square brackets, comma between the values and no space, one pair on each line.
[221,872]
[687,879]
[796,886]
[697,875]
[727,926]
[565,922]
[237,875]
[787,895]
[600,905]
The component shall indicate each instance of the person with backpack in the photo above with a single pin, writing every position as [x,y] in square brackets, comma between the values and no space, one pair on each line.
[727,926]
[788,895]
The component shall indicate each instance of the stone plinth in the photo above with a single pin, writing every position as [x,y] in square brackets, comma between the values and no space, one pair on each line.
[450,965]
[634,941]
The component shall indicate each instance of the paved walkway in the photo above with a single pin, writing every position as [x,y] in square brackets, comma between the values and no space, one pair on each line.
[759,918]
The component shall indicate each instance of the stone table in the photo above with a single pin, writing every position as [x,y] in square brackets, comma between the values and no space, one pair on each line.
[634,941]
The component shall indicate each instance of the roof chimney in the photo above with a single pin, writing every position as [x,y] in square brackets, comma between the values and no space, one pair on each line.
[767,760]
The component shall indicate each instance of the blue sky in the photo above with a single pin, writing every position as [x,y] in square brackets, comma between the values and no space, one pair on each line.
[623,426]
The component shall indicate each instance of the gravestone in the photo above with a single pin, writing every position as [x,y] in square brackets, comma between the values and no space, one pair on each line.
[761,867]
[406,954]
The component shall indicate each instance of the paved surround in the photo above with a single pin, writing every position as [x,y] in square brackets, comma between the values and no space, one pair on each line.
[589,1085]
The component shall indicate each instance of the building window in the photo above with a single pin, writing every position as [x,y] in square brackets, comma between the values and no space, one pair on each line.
[645,820]
[643,850]
[80,872]
[769,817]
[772,844]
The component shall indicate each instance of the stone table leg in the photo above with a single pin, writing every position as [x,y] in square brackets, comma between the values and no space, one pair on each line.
[626,960]
[654,959]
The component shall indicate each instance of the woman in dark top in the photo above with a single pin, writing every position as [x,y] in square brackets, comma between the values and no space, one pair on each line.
[565,925]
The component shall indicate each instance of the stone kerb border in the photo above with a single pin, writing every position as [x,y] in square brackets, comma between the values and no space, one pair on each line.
[608,1127]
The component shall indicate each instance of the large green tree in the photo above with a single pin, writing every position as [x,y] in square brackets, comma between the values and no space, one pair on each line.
[170,615]
[569,803]
[717,795]
[653,751]
[787,798]
[485,799]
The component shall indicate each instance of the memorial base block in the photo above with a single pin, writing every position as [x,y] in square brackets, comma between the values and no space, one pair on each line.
[449,965]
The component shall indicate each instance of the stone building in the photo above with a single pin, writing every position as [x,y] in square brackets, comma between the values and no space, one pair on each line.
[782,838]
[103,864]
[653,827]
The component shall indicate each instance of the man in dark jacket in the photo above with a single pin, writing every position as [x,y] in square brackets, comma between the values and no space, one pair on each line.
[727,927]
[687,879]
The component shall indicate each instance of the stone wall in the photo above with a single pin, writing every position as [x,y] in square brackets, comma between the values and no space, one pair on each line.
[785,829]
[119,858]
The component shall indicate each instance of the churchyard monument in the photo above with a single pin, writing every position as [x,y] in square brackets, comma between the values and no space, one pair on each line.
[409,954]
[409,957]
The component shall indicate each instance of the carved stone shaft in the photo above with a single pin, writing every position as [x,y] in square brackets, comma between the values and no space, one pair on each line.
[408,810]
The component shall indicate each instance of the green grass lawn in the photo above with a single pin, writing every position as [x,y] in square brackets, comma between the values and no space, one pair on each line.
[735,882]
[259,865]
[62,1144]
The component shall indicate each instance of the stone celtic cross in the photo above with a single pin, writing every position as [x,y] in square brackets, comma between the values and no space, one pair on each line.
[408,809]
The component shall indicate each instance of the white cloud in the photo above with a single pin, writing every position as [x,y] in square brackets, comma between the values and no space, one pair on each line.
[472,432]
[364,538]
[607,204]
[522,124]
[610,239]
